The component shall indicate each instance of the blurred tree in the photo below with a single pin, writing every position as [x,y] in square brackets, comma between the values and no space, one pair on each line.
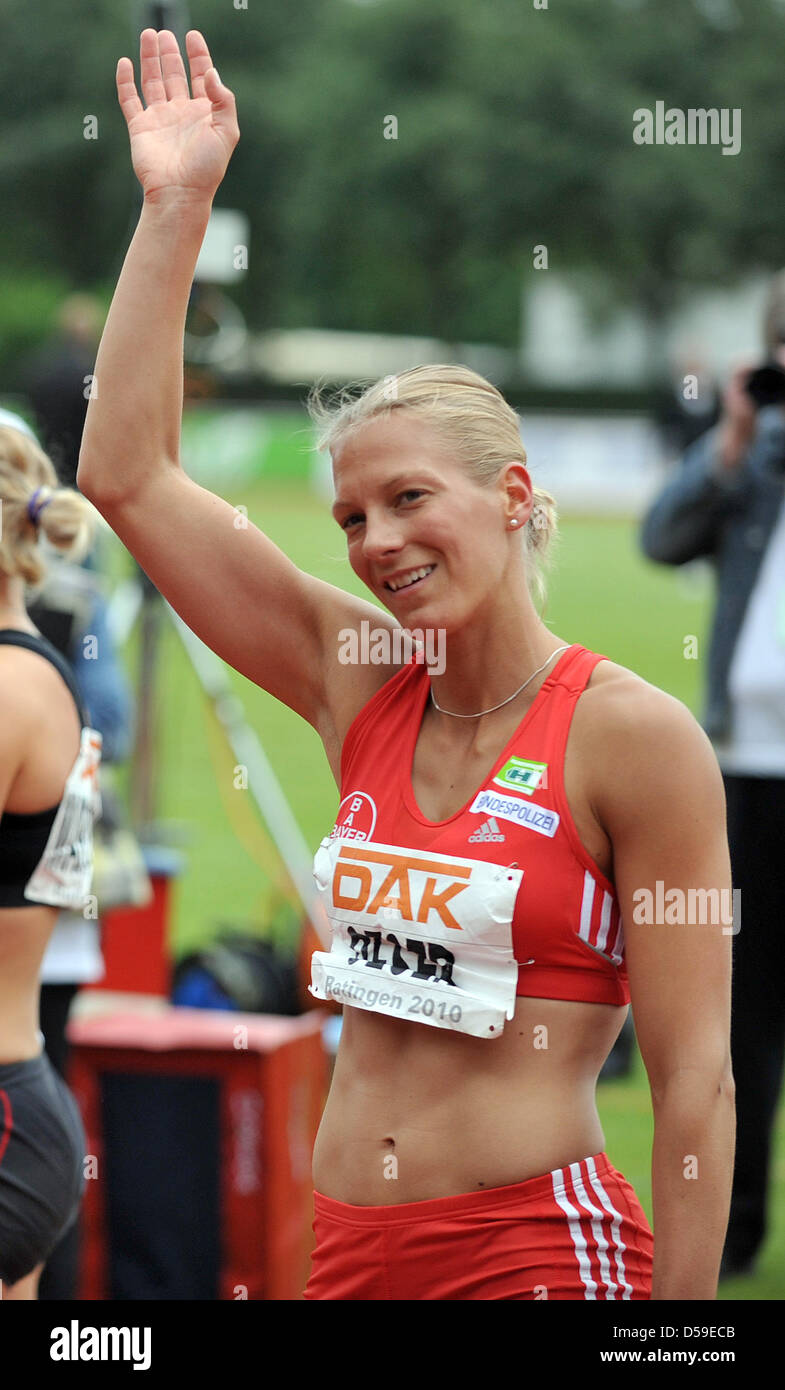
[514,129]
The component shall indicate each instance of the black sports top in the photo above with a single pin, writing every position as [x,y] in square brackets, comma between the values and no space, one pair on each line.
[23,837]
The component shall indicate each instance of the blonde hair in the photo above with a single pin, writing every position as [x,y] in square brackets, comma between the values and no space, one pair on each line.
[67,520]
[468,413]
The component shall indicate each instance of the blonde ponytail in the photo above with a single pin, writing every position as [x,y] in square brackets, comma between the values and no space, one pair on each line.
[33,503]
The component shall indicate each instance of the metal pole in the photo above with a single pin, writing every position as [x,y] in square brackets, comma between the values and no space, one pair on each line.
[262,781]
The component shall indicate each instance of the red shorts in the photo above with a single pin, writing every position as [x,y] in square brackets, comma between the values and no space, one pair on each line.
[578,1233]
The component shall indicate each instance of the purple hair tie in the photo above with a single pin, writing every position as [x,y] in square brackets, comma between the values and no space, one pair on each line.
[34,511]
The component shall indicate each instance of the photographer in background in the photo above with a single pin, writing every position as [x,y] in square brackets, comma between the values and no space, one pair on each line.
[726,503]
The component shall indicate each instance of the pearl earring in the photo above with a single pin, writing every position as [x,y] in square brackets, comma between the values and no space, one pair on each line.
[513,522]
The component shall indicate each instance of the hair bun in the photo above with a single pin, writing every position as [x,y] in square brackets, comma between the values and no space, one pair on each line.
[38,501]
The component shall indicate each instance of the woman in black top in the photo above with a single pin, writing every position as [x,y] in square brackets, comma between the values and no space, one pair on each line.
[46,819]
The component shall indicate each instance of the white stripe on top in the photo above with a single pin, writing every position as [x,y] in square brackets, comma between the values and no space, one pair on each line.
[605,921]
[587,901]
[614,950]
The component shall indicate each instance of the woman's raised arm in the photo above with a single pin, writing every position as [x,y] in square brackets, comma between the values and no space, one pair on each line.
[180,148]
[229,583]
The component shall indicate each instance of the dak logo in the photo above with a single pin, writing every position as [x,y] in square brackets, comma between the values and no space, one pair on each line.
[356,818]
[410,886]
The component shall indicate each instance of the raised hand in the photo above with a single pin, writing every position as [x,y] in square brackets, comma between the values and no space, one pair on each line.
[180,143]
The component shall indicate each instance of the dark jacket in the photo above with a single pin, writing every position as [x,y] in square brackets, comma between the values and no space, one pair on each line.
[727,517]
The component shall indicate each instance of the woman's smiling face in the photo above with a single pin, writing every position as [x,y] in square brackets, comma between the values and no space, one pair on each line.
[427,540]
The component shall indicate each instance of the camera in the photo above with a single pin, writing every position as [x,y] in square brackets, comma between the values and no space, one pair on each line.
[766,385]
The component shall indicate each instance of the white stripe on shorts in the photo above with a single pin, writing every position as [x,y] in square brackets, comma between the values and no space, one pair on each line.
[578,1238]
[598,1218]
[615,1227]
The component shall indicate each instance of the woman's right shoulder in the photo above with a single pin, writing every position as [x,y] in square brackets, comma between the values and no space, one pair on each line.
[17,716]
[32,690]
[17,677]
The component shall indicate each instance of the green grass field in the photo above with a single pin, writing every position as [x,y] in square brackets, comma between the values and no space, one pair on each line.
[602,594]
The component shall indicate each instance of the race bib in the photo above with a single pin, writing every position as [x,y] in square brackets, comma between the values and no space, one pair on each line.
[418,936]
[63,875]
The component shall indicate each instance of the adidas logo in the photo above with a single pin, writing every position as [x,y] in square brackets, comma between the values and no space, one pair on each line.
[489,830]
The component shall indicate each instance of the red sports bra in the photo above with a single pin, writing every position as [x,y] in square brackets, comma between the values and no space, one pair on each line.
[445,922]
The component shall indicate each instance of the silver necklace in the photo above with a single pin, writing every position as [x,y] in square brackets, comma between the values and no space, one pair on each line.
[493,708]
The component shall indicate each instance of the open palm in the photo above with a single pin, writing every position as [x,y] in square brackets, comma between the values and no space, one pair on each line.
[179,142]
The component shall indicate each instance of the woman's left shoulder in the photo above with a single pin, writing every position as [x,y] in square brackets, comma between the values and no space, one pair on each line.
[634,728]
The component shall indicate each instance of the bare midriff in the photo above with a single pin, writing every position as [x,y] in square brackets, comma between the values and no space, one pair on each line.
[462,1114]
[24,933]
[457,1113]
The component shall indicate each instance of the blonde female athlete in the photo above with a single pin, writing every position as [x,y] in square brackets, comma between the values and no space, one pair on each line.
[49,796]
[497,820]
